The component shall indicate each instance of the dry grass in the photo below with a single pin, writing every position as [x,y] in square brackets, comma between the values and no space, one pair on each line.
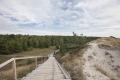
[82,51]
[106,53]
[90,57]
[21,71]
[73,64]
[99,68]
[36,52]
[109,41]
[24,70]
[110,75]
[23,66]
[75,68]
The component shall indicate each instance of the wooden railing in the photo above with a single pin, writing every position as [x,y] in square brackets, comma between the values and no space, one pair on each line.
[66,74]
[13,60]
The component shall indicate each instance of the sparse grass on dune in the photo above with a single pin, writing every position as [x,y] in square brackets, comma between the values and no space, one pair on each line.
[75,68]
[99,68]
[73,64]
[110,75]
[108,41]
[113,41]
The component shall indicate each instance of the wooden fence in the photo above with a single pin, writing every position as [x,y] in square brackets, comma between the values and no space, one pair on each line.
[13,60]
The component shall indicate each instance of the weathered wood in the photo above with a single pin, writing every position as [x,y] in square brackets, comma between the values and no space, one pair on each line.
[36,62]
[49,70]
[42,59]
[5,63]
[14,69]
[51,65]
[67,75]
[13,60]
[10,60]
[28,57]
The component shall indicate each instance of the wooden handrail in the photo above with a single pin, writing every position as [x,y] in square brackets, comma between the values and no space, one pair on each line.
[14,69]
[29,57]
[67,75]
[13,60]
[5,63]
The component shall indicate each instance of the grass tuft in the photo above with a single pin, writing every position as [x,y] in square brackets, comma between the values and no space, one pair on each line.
[99,68]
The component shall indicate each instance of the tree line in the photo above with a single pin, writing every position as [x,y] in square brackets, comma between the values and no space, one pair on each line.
[16,43]
[76,43]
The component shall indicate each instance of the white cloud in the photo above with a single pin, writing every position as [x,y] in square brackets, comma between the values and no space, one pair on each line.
[86,16]
[80,4]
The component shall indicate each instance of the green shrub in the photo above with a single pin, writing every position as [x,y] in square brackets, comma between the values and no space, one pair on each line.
[57,47]
[29,61]
[30,49]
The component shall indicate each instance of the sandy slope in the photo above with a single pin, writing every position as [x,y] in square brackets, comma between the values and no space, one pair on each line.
[101,64]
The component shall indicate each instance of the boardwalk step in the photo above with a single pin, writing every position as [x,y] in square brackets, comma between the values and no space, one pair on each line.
[46,71]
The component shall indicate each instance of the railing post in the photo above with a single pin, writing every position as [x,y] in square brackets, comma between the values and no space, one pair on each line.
[36,62]
[47,58]
[14,69]
[43,59]
[40,59]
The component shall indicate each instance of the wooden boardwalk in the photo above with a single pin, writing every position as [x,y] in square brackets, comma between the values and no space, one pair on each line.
[49,70]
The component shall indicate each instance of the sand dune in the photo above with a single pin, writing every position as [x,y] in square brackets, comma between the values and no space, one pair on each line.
[101,63]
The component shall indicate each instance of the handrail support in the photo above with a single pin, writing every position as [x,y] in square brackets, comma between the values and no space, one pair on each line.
[14,69]
[36,62]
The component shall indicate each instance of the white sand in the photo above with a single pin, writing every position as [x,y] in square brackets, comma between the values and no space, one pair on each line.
[110,63]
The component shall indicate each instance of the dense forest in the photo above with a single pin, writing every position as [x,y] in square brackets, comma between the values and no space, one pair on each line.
[16,43]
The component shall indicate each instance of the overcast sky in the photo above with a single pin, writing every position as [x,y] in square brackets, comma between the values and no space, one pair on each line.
[60,17]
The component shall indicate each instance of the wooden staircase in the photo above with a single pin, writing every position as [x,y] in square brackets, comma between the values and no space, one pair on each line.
[49,70]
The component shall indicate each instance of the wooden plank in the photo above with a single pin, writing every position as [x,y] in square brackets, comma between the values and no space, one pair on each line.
[10,60]
[51,66]
[5,63]
[28,57]
[67,75]
[13,60]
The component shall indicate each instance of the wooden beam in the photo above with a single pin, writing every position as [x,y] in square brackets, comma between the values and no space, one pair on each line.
[14,69]
[5,63]
[67,75]
[36,62]
[43,59]
[13,60]
[28,57]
